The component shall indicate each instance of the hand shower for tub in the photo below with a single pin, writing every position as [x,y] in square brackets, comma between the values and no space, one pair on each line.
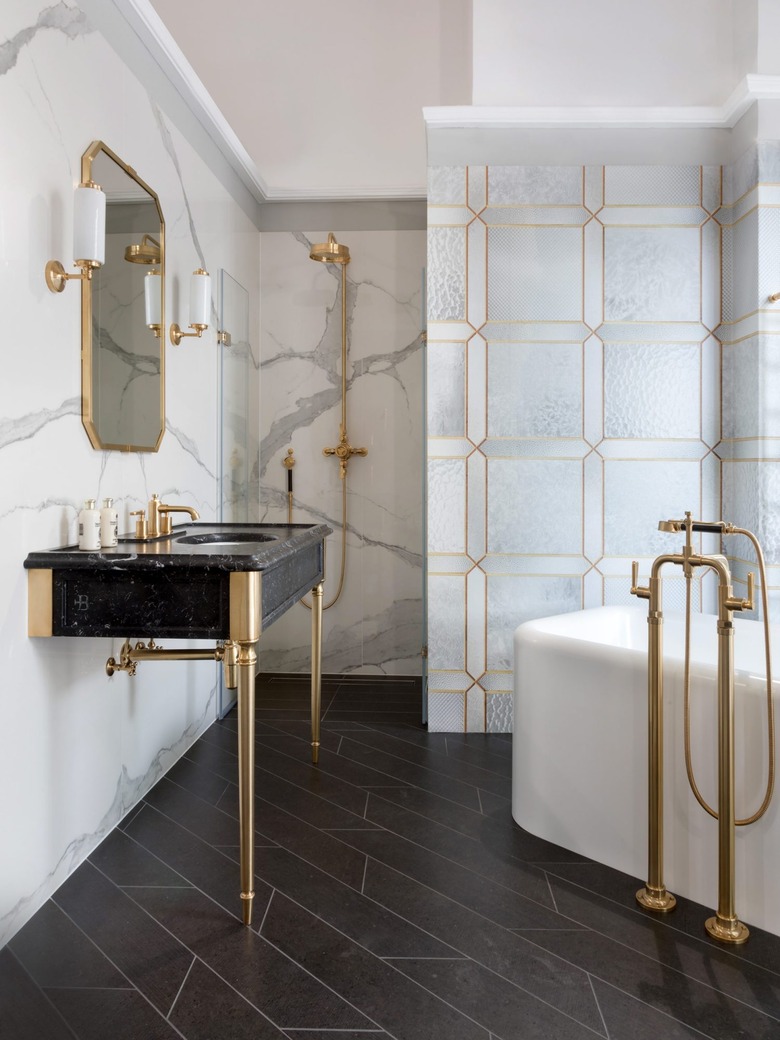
[725,925]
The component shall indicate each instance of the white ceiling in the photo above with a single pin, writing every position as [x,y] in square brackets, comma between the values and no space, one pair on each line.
[327,98]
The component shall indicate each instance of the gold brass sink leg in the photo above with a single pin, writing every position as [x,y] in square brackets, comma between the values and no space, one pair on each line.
[245,624]
[316,670]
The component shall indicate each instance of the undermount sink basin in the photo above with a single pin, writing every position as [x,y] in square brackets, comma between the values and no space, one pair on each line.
[236,538]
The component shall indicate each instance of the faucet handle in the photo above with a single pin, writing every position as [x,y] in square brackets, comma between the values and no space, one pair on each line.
[141,524]
[638,590]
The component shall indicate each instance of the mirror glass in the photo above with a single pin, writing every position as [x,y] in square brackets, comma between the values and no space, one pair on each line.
[122,313]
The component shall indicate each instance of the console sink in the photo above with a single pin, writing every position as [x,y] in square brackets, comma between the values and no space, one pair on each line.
[236,539]
[176,585]
[203,581]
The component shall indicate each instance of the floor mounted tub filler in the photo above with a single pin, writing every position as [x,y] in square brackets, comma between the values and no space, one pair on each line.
[580,749]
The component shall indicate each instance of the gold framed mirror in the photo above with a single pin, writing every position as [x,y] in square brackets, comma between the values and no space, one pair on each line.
[123,313]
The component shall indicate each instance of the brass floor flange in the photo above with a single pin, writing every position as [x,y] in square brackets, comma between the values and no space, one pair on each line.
[660,902]
[734,932]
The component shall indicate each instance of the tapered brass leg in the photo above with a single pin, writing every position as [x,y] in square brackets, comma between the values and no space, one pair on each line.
[316,670]
[245,619]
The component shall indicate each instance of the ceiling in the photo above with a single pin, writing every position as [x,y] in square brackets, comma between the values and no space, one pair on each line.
[327,99]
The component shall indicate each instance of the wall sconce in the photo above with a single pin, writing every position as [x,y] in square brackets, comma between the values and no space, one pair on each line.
[153,301]
[89,237]
[200,303]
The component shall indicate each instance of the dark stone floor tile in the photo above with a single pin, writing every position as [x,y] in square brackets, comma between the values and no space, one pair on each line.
[495,1003]
[54,952]
[471,890]
[150,958]
[208,1009]
[336,1034]
[130,814]
[509,955]
[126,863]
[25,1013]
[302,788]
[305,841]
[415,734]
[358,774]
[386,996]
[482,754]
[664,988]
[468,852]
[497,833]
[271,714]
[208,822]
[491,804]
[492,744]
[701,960]
[310,809]
[118,1014]
[270,733]
[268,979]
[379,930]
[629,1019]
[201,864]
[391,769]
[208,785]
[336,714]
[762,949]
[437,761]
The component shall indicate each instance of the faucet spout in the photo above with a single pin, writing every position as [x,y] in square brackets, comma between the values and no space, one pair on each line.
[159,516]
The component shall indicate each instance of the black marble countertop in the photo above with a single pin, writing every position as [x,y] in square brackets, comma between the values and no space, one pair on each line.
[183,548]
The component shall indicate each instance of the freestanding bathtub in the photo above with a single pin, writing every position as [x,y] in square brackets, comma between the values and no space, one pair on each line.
[579,775]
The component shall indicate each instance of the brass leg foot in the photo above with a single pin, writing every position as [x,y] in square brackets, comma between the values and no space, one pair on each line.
[315,753]
[247,902]
[658,900]
[727,931]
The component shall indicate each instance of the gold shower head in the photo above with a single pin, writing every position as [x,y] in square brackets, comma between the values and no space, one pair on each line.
[146,252]
[330,252]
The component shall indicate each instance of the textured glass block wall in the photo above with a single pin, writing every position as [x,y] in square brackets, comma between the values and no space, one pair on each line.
[750,448]
[573,401]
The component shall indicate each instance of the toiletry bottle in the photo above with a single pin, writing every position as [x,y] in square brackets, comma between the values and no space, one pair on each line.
[109,522]
[89,527]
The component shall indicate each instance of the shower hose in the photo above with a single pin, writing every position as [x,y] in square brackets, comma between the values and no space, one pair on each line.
[769,706]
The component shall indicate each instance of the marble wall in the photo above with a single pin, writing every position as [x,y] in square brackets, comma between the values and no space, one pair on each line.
[78,749]
[574,400]
[376,626]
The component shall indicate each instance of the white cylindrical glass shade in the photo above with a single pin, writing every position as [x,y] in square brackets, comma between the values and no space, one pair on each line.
[89,225]
[153,297]
[200,298]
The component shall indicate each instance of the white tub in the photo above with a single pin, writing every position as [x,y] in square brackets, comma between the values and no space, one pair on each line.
[579,775]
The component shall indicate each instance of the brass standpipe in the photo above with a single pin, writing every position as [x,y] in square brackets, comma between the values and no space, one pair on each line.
[725,925]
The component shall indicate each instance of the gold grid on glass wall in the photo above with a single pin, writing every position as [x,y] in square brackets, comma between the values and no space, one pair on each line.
[574,392]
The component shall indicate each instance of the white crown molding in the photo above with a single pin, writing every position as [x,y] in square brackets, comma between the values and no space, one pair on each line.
[721,117]
[347,194]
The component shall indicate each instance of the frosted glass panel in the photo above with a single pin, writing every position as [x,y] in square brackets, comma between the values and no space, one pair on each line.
[534,390]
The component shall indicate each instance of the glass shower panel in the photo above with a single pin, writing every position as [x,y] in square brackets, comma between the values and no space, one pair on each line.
[236,369]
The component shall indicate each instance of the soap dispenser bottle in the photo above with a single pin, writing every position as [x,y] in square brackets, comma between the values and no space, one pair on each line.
[89,526]
[109,523]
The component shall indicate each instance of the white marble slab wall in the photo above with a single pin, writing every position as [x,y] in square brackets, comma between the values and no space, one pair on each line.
[376,626]
[78,749]
[751,360]
[573,401]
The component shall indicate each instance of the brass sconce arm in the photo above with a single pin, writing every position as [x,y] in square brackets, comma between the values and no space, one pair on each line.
[57,277]
[177,335]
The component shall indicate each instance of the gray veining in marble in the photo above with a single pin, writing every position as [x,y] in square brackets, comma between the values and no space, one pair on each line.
[68,20]
[24,427]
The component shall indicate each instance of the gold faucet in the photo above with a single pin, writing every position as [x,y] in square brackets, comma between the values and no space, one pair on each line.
[344,451]
[159,521]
